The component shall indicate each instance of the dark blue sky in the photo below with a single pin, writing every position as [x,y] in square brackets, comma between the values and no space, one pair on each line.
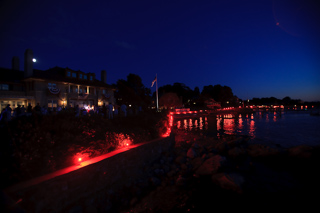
[259,48]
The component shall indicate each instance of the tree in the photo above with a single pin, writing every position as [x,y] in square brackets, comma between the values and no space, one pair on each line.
[219,93]
[180,89]
[132,91]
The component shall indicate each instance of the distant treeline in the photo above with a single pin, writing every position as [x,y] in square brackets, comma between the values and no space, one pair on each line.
[133,92]
[286,101]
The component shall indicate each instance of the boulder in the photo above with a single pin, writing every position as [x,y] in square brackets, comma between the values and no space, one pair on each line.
[155,181]
[196,163]
[211,165]
[180,159]
[260,150]
[181,181]
[301,151]
[232,181]
[236,152]
[191,153]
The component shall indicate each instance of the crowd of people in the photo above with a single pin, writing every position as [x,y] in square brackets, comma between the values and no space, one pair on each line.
[107,111]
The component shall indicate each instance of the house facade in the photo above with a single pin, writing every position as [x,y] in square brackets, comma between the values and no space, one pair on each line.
[53,87]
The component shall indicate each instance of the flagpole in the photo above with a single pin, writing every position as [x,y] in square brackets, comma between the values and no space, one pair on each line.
[157,91]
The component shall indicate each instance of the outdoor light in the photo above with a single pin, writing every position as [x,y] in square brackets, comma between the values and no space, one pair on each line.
[34,60]
[79,159]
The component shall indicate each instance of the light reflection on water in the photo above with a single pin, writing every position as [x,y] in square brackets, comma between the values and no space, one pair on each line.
[262,127]
[221,124]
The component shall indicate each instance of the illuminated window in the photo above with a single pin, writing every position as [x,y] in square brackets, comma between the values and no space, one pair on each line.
[74,75]
[85,77]
[52,103]
[91,77]
[68,73]
[4,87]
[80,75]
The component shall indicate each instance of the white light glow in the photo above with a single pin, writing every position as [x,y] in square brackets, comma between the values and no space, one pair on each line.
[34,60]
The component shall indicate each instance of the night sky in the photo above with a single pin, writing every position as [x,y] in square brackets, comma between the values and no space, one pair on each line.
[259,48]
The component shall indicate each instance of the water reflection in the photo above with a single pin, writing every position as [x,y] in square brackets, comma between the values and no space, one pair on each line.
[221,124]
[268,127]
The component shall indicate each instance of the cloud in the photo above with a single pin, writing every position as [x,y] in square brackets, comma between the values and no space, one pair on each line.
[125,45]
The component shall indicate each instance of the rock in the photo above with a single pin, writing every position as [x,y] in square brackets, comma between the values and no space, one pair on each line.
[181,181]
[155,181]
[191,153]
[221,147]
[76,209]
[171,173]
[184,166]
[196,162]
[196,145]
[166,168]
[234,142]
[133,201]
[236,152]
[259,150]
[211,165]
[180,159]
[158,172]
[301,151]
[231,181]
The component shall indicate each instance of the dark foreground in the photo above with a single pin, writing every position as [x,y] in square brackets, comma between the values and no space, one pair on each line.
[206,174]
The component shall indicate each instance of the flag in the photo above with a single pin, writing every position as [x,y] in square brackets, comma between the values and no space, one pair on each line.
[155,79]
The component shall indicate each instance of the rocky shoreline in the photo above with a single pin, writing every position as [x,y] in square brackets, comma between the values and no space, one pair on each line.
[204,174]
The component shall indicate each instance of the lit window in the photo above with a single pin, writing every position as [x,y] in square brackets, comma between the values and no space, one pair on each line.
[74,75]
[80,75]
[4,86]
[52,103]
[91,78]
[68,73]
[85,77]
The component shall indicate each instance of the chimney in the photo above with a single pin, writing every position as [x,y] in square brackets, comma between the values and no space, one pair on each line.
[15,63]
[28,63]
[104,76]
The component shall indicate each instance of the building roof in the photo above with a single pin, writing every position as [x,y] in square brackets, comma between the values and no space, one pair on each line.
[12,76]
[52,74]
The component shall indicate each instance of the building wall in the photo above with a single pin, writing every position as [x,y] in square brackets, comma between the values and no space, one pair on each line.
[35,91]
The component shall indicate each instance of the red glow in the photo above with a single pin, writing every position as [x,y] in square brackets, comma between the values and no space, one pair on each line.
[167,134]
[80,157]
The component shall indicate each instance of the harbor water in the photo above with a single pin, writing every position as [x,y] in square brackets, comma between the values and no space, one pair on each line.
[270,128]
